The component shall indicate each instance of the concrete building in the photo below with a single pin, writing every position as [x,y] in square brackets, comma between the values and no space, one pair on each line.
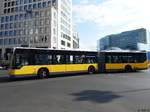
[36,23]
[132,40]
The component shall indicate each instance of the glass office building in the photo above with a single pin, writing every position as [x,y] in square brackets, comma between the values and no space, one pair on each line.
[130,40]
[36,23]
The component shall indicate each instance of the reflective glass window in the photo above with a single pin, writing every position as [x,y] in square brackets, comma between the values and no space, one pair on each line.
[44,4]
[2,19]
[16,17]
[39,5]
[6,33]
[7,18]
[30,1]
[6,41]
[11,18]
[6,26]
[0,33]
[30,6]
[2,26]
[34,6]
[1,41]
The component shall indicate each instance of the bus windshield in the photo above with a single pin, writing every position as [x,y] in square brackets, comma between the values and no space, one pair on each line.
[22,58]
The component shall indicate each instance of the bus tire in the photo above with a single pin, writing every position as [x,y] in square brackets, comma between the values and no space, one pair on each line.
[91,69]
[128,68]
[43,73]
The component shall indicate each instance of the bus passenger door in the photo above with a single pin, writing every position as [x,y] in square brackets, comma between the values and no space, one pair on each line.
[59,64]
[101,62]
[70,66]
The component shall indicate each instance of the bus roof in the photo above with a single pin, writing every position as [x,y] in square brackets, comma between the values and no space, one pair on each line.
[54,49]
[82,50]
[123,51]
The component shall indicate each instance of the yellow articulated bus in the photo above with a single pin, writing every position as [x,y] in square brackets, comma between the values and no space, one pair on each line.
[43,62]
[122,61]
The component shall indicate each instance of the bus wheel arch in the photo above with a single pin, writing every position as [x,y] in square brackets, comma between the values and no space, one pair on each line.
[128,68]
[91,69]
[43,73]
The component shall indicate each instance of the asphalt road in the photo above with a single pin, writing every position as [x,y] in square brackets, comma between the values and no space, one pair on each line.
[112,92]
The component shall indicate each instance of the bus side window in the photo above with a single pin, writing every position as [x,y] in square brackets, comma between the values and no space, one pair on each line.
[62,59]
[130,59]
[113,59]
[69,59]
[42,59]
[124,59]
[91,59]
[55,60]
[119,59]
[50,59]
[59,59]
[108,59]
[78,59]
[82,59]
[75,59]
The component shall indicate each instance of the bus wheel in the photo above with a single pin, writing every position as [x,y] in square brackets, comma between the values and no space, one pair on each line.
[128,68]
[91,70]
[43,73]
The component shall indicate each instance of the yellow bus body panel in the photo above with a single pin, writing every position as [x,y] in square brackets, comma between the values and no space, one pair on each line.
[25,70]
[33,70]
[79,67]
[121,66]
[57,68]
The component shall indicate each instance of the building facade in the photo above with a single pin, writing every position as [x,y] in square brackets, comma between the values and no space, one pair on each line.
[75,38]
[36,23]
[130,40]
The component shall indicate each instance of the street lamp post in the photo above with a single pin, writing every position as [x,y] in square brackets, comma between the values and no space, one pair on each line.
[29,12]
[3,48]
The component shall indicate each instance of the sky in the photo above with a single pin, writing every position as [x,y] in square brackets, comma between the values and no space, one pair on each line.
[95,19]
